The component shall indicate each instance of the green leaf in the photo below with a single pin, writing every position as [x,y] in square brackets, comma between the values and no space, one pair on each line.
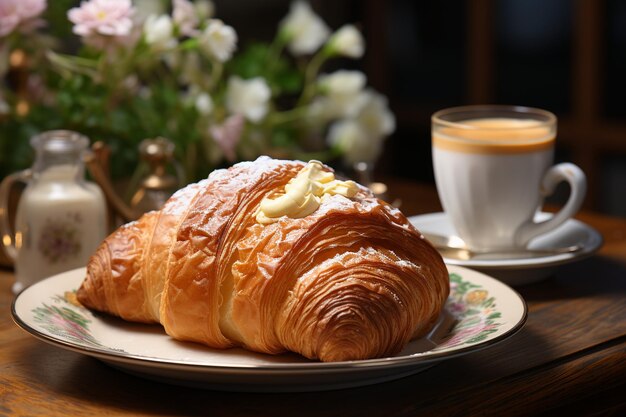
[190,44]
[456,278]
[469,322]
[255,61]
[488,302]
[482,336]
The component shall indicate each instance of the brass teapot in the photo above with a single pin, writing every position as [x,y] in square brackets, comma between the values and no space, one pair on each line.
[153,190]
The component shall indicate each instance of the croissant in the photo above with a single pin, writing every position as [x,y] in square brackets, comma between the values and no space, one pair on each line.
[345,278]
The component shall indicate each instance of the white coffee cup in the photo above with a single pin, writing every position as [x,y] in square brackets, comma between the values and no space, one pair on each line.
[493,167]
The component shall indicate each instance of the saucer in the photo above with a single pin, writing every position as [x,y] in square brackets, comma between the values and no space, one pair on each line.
[522,269]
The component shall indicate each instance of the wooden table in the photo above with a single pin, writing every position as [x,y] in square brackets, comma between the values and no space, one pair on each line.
[570,356]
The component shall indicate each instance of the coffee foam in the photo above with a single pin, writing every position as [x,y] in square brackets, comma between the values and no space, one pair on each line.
[495,136]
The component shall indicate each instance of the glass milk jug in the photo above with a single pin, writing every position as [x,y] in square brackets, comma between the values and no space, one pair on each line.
[60,218]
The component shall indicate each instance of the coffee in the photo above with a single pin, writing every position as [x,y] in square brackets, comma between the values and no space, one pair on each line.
[493,167]
[495,135]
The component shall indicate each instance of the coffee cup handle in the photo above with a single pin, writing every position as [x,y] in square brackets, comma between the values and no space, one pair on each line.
[578,187]
[8,237]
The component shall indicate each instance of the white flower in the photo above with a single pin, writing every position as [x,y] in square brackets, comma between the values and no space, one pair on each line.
[343,93]
[347,41]
[205,9]
[145,8]
[356,143]
[305,30]
[361,137]
[159,32]
[204,104]
[218,40]
[344,132]
[317,111]
[375,115]
[343,82]
[185,16]
[248,97]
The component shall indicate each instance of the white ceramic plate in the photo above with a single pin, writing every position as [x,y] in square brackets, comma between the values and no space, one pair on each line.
[523,269]
[480,312]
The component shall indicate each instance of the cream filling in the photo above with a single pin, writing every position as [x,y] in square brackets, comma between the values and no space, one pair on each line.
[304,194]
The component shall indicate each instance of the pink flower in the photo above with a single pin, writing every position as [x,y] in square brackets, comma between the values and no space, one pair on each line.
[185,16]
[464,335]
[14,13]
[227,135]
[110,18]
[457,308]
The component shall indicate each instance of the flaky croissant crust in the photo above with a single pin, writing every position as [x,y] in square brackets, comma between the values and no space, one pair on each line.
[354,280]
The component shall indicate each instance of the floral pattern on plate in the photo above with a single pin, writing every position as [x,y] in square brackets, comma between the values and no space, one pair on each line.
[475,312]
[67,319]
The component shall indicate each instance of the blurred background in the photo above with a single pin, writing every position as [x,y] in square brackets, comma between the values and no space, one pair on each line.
[565,56]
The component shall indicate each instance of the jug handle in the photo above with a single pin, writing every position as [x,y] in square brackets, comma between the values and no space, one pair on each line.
[97,172]
[9,239]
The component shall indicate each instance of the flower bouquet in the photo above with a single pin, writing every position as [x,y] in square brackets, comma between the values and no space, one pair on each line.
[177,72]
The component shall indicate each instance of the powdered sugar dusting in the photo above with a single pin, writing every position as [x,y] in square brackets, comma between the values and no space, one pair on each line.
[364,252]
[250,172]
